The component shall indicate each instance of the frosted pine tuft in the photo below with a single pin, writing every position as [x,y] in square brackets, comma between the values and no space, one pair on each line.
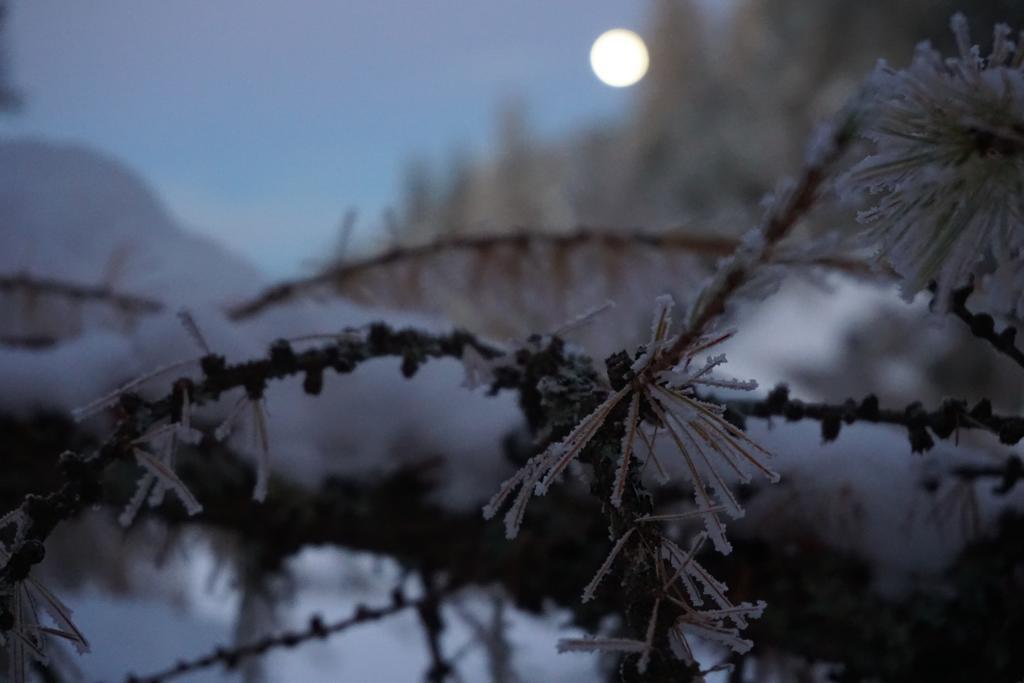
[721,623]
[711,448]
[950,165]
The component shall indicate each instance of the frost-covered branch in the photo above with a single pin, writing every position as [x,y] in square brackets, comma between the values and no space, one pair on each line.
[389,515]
[83,475]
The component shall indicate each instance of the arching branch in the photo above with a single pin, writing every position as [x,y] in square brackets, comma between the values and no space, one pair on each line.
[345,277]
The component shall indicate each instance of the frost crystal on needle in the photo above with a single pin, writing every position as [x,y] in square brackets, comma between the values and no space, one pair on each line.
[710,447]
[159,476]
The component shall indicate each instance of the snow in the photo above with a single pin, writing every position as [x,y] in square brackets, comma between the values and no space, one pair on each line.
[76,215]
[73,214]
[71,211]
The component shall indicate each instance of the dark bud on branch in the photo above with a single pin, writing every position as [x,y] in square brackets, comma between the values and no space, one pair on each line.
[316,627]
[868,408]
[1012,431]
[72,466]
[212,365]
[982,325]
[777,398]
[24,558]
[982,410]
[313,383]
[920,439]
[830,426]
[916,420]
[793,410]
[410,363]
[282,358]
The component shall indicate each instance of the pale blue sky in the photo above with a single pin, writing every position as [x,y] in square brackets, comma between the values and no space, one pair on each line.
[261,122]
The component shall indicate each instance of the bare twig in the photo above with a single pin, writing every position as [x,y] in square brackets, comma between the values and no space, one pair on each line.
[76,292]
[944,422]
[230,658]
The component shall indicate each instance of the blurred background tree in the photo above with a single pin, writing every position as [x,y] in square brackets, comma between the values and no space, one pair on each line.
[723,112]
[8,95]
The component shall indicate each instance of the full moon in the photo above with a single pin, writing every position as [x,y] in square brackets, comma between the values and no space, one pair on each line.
[619,58]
